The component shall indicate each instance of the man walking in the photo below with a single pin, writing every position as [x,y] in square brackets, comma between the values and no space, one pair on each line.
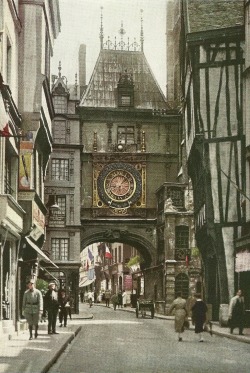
[107,297]
[51,305]
[236,313]
[32,307]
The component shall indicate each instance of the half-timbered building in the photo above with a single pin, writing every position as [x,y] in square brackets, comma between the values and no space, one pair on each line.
[208,66]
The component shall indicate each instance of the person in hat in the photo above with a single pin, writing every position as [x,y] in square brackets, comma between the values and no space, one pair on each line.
[199,311]
[51,305]
[32,307]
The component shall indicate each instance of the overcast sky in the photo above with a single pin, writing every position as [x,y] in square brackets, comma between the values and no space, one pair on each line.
[81,25]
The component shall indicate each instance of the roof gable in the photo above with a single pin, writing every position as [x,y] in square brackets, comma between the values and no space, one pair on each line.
[102,88]
[203,15]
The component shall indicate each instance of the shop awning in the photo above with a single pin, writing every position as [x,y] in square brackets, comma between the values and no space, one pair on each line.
[85,282]
[39,251]
[45,270]
[242,261]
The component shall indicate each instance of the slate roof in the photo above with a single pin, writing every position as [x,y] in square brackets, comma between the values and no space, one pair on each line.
[102,88]
[203,15]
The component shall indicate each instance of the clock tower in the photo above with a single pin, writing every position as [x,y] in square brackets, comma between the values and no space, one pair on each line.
[130,140]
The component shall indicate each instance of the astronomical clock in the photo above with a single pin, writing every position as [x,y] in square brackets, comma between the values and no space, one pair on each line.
[119,184]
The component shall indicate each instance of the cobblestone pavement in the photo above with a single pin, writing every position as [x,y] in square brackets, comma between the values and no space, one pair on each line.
[20,355]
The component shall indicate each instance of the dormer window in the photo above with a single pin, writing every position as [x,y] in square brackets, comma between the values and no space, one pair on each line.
[125,100]
[125,89]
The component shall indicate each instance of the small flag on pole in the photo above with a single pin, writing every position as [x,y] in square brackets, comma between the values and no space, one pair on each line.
[90,255]
[5,131]
[107,253]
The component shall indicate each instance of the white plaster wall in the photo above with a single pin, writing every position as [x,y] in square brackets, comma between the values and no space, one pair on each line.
[10,32]
[228,238]
[225,159]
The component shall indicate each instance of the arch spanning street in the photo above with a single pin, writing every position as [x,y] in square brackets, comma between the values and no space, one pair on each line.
[139,235]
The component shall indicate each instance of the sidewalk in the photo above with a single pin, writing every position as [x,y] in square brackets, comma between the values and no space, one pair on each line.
[19,355]
[216,328]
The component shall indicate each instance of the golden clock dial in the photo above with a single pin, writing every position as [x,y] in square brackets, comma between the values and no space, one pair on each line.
[119,185]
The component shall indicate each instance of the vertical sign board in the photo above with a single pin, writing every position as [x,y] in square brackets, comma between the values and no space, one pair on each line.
[25,173]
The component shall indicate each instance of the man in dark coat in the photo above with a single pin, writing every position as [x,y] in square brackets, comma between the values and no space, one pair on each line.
[51,305]
[199,311]
[237,312]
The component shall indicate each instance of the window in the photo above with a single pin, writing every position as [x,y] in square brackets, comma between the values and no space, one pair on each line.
[9,62]
[182,285]
[60,248]
[60,169]
[61,201]
[125,89]
[7,177]
[126,135]
[125,100]
[181,242]
[177,196]
[59,131]
[60,104]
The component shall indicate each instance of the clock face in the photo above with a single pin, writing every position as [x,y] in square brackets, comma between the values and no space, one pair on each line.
[119,185]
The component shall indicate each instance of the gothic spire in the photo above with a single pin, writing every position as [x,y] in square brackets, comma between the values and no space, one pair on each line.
[142,33]
[101,30]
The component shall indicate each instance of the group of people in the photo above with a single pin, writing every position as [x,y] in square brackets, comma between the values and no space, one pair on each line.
[118,300]
[35,305]
[199,314]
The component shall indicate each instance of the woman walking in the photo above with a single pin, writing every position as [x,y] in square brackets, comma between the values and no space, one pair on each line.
[179,304]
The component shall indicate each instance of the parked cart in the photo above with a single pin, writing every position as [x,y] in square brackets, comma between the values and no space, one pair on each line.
[143,306]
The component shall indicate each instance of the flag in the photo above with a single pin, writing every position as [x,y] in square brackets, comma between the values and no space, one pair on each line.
[5,131]
[107,253]
[90,255]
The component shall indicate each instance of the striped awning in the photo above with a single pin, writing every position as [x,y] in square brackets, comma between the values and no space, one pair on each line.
[85,282]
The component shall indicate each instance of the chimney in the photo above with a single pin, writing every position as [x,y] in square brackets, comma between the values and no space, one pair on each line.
[82,68]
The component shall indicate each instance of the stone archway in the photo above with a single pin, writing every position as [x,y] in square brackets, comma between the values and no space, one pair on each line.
[142,237]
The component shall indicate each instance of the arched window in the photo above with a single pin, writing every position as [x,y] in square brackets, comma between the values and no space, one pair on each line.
[182,285]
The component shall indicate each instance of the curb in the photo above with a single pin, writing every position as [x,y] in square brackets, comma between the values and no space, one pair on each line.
[232,336]
[60,351]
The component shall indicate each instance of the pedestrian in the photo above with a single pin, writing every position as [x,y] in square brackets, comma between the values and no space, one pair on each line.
[81,296]
[179,304]
[85,296]
[124,298]
[236,313]
[107,296]
[32,307]
[120,299]
[199,311]
[63,308]
[114,300]
[90,298]
[51,305]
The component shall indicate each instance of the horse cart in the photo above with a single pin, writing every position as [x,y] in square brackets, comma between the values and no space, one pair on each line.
[144,306]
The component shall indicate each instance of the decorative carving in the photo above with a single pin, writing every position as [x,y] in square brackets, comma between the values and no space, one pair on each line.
[168,206]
